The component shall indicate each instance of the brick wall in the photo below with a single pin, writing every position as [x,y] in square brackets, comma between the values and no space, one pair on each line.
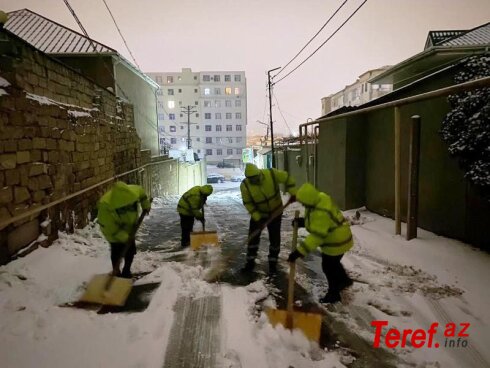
[59,133]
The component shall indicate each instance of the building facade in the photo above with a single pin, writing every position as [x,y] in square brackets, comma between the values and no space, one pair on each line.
[357,93]
[216,125]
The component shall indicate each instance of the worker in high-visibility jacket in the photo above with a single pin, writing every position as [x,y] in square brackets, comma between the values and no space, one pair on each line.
[329,231]
[119,210]
[190,207]
[262,198]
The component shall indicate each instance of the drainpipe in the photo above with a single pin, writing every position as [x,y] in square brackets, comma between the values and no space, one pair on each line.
[315,162]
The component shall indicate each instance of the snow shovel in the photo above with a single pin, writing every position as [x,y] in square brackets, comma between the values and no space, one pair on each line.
[107,289]
[309,323]
[200,238]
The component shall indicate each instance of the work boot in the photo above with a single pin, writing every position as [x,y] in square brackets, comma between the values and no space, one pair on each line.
[126,274]
[330,298]
[249,266]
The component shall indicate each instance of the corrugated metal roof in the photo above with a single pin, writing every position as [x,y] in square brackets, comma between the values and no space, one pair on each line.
[51,37]
[474,37]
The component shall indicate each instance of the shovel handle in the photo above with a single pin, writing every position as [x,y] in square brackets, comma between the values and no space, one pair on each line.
[292,272]
[275,214]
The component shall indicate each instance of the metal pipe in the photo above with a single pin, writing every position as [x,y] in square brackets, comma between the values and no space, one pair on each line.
[398,190]
[315,162]
[479,83]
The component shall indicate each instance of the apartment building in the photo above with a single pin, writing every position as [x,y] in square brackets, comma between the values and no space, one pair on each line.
[218,104]
[357,93]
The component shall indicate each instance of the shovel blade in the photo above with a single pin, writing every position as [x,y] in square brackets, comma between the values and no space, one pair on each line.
[309,323]
[200,238]
[116,294]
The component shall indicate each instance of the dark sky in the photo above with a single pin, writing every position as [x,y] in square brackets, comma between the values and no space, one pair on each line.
[257,35]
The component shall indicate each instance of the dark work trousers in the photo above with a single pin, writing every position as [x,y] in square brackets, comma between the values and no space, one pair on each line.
[335,272]
[186,224]
[117,250]
[274,229]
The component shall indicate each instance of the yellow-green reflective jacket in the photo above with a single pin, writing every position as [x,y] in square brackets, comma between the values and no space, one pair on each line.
[191,203]
[118,211]
[327,229]
[263,199]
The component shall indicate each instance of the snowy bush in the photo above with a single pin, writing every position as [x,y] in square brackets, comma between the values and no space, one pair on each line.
[466,129]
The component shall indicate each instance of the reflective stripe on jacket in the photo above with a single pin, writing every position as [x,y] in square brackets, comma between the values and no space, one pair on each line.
[118,211]
[191,203]
[327,229]
[264,198]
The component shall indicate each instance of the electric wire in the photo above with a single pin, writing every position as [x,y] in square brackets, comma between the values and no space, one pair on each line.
[120,33]
[311,39]
[328,39]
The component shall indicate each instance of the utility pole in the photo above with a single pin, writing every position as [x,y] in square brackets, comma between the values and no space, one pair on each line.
[270,115]
[188,110]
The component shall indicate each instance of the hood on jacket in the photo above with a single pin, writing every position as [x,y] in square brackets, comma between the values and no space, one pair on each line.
[206,189]
[308,195]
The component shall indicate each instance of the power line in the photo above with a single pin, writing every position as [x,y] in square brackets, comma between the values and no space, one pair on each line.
[287,125]
[145,118]
[311,39]
[328,39]
[120,33]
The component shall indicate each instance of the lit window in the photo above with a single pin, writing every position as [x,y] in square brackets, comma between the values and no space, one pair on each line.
[173,128]
[171,116]
[238,115]
[228,91]
[170,92]
[209,140]
[179,78]
[237,90]
[238,103]
[227,78]
[219,151]
[238,128]
[218,115]
[207,103]
[183,139]
[207,128]
[228,103]
[218,128]
[206,78]
[170,79]
[209,152]
[217,91]
[229,151]
[173,140]
[207,115]
[207,91]
[229,128]
[238,78]
[171,104]
[216,78]
[228,115]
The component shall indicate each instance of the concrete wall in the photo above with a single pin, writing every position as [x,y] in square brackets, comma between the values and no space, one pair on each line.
[142,97]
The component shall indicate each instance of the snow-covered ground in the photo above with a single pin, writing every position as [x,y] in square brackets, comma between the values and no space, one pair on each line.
[409,284]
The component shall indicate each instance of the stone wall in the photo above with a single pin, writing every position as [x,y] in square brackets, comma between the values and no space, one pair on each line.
[59,133]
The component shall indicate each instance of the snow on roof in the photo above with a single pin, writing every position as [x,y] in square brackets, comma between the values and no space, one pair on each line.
[477,36]
[49,36]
